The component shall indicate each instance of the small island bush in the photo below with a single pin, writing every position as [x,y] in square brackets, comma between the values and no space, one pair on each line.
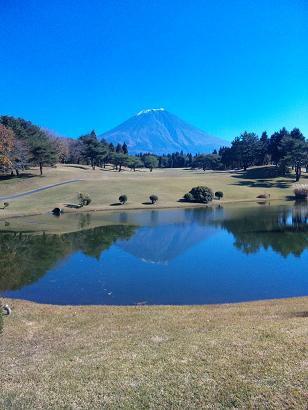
[219,195]
[200,194]
[153,198]
[301,191]
[5,205]
[123,199]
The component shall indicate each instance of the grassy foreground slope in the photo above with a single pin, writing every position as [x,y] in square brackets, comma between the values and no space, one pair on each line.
[250,355]
[105,186]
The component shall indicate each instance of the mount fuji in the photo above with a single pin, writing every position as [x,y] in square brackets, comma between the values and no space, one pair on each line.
[159,132]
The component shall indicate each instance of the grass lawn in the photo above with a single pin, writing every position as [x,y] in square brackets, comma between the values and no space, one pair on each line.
[105,186]
[246,356]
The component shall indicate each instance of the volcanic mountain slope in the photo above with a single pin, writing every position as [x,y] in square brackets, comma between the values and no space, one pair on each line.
[160,132]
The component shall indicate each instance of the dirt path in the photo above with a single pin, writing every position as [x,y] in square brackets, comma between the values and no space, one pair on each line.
[33,191]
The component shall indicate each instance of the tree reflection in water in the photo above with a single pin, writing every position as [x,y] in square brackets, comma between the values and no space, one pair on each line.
[25,257]
[284,229]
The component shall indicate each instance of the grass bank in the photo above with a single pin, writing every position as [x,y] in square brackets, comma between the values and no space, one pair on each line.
[247,356]
[105,186]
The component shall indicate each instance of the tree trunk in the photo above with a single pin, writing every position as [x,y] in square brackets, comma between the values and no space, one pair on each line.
[41,168]
[120,167]
[298,171]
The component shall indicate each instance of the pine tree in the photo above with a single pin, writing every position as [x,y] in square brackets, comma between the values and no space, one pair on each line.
[43,154]
[125,149]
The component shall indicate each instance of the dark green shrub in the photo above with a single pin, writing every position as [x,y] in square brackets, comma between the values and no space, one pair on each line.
[188,197]
[201,194]
[219,194]
[57,211]
[153,198]
[84,199]
[123,199]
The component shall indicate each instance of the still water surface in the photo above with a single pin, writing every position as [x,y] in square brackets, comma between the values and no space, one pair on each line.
[184,256]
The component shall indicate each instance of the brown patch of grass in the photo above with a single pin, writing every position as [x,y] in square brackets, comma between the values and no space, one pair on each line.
[246,356]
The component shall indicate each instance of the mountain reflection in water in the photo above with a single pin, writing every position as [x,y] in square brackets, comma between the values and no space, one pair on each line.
[174,256]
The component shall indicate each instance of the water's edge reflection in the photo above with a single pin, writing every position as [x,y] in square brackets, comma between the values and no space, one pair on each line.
[154,237]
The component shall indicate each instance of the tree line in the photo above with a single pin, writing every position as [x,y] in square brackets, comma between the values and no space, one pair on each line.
[284,149]
[23,143]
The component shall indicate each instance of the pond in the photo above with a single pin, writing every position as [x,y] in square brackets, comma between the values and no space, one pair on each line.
[217,254]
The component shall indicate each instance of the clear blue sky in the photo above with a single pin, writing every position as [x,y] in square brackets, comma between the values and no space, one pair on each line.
[224,66]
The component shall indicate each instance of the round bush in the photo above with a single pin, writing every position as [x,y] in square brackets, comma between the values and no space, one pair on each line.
[201,194]
[219,194]
[153,198]
[123,199]
[57,211]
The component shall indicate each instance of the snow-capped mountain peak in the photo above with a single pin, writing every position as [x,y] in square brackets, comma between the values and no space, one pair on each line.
[158,131]
[150,110]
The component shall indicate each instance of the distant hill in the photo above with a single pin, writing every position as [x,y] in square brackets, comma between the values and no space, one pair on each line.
[160,132]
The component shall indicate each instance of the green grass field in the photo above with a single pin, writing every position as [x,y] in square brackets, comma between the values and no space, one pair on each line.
[239,356]
[105,186]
